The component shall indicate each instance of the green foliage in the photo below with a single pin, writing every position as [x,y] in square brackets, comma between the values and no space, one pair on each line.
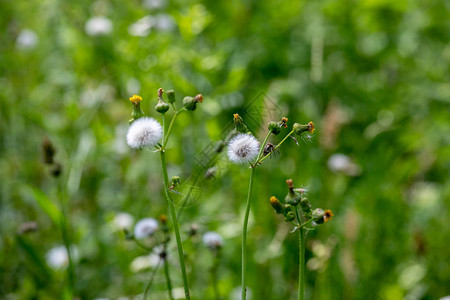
[372,75]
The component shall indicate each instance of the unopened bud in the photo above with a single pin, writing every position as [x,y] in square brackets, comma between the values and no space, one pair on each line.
[299,129]
[162,107]
[170,96]
[190,103]
[318,215]
[137,111]
[239,124]
[276,204]
[289,216]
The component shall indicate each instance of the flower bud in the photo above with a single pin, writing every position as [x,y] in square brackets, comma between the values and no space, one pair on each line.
[239,124]
[190,103]
[328,215]
[175,181]
[318,215]
[292,197]
[305,205]
[162,107]
[289,216]
[275,127]
[299,129]
[276,204]
[170,96]
[137,111]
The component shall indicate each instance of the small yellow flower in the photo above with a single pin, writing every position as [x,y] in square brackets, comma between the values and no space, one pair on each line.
[273,200]
[328,215]
[135,99]
[311,127]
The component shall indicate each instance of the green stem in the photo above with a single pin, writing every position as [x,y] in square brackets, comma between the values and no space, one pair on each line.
[166,137]
[169,282]
[301,267]
[64,224]
[175,222]
[276,147]
[214,274]
[262,148]
[147,288]
[244,233]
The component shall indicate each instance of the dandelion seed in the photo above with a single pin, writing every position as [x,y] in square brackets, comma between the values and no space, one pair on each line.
[212,240]
[144,132]
[243,148]
[145,227]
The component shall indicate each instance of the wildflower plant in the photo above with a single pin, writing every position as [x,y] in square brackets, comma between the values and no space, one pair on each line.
[146,132]
[297,210]
[244,148]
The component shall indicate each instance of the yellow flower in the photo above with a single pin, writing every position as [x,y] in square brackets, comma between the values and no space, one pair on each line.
[135,99]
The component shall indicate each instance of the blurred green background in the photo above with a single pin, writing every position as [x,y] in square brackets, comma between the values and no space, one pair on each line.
[373,75]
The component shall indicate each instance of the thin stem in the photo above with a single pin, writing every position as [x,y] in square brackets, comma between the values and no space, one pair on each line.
[214,270]
[152,277]
[169,282]
[301,267]
[64,224]
[276,147]
[262,147]
[166,138]
[175,222]
[244,233]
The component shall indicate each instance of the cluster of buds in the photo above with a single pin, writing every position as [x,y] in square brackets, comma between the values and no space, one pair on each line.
[296,199]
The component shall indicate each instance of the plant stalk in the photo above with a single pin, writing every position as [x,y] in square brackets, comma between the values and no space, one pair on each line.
[169,282]
[244,232]
[175,223]
[301,275]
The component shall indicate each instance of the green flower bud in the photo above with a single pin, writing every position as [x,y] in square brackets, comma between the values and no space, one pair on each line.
[276,204]
[137,111]
[239,124]
[274,128]
[175,181]
[289,216]
[299,129]
[305,205]
[170,96]
[162,107]
[292,198]
[190,103]
[317,215]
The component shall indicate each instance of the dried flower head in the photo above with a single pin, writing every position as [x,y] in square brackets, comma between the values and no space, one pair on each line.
[145,227]
[144,132]
[243,148]
[212,240]
[328,215]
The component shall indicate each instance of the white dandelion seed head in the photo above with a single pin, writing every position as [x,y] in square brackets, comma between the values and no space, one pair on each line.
[338,162]
[144,132]
[145,227]
[243,148]
[27,39]
[212,240]
[123,221]
[98,26]
[58,258]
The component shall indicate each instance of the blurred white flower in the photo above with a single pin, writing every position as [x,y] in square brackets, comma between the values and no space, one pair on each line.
[164,22]
[243,148]
[141,27]
[445,298]
[58,258]
[144,132]
[123,221]
[27,39]
[154,4]
[147,261]
[98,26]
[212,240]
[342,163]
[145,227]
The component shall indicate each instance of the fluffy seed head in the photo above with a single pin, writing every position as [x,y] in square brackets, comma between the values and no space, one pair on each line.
[243,148]
[145,227]
[212,240]
[144,132]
